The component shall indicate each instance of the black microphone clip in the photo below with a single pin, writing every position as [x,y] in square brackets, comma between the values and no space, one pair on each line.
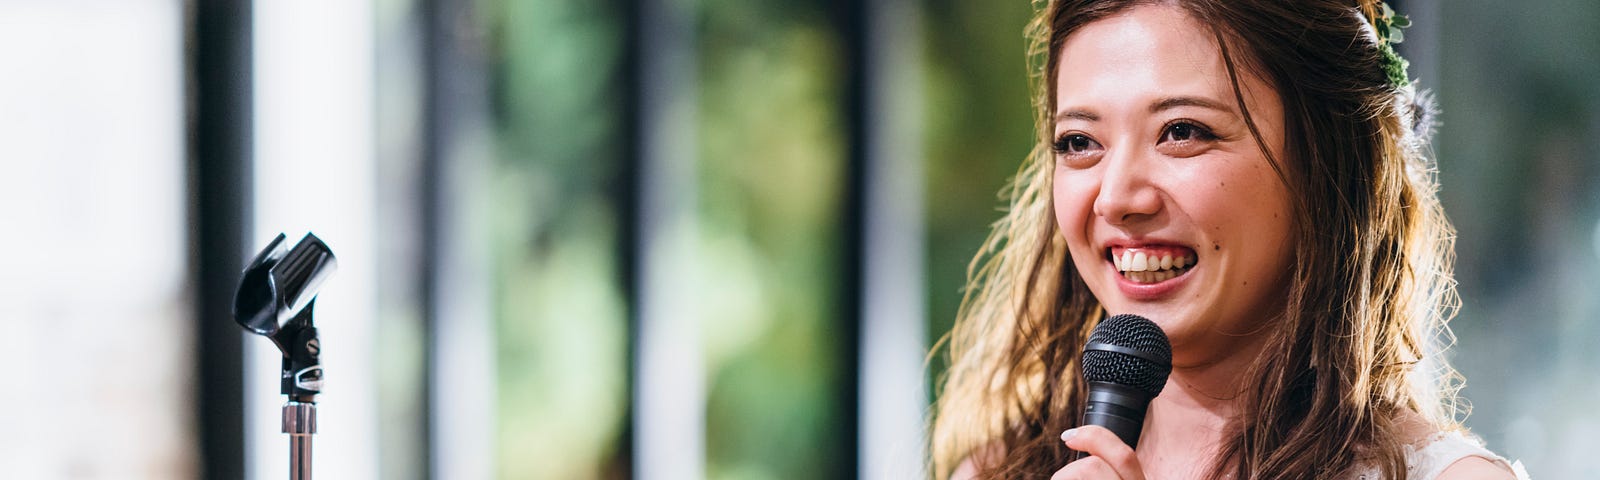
[275,299]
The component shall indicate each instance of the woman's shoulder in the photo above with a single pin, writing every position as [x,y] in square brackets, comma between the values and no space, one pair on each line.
[1457,455]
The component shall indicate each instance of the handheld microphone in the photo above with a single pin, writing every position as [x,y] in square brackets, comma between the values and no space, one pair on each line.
[1126,363]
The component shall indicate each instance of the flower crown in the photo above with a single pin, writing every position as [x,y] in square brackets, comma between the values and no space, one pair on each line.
[1417,107]
[1388,26]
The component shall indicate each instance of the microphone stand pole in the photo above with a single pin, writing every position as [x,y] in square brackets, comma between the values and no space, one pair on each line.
[300,422]
[301,381]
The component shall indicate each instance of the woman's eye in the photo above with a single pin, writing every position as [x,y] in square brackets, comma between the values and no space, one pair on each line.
[1185,131]
[1074,144]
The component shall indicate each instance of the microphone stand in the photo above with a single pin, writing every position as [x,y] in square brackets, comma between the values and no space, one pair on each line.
[281,284]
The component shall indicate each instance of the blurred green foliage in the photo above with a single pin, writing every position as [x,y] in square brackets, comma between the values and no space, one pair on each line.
[768,187]
[767,184]
[560,318]
[769,177]
[978,132]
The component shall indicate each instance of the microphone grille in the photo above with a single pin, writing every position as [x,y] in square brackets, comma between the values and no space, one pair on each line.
[1144,364]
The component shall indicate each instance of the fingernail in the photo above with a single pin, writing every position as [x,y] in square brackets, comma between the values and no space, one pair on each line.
[1067,435]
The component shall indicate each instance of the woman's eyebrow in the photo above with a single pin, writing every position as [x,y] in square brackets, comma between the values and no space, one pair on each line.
[1076,114]
[1157,107]
[1202,102]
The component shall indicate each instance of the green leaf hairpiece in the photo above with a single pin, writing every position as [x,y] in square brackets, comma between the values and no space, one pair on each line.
[1389,25]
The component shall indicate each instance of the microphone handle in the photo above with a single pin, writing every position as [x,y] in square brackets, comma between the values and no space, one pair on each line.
[1119,408]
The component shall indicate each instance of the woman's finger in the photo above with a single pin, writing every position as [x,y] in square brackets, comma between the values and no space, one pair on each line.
[1101,443]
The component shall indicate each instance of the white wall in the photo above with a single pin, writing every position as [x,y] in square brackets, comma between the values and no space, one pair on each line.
[95,331]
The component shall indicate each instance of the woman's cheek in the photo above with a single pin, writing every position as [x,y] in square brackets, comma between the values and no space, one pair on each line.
[1073,198]
[1074,193]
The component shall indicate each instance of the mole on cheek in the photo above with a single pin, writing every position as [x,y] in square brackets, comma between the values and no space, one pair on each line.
[1216,247]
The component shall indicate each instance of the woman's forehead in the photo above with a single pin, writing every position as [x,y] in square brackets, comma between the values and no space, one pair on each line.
[1137,57]
[1141,49]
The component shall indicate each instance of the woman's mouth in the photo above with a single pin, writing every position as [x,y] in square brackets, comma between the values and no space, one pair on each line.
[1152,264]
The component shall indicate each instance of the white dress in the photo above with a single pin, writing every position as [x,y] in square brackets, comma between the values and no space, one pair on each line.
[1442,450]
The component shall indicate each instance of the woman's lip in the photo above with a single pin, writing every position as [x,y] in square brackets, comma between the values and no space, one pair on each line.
[1116,248]
[1143,242]
[1149,291]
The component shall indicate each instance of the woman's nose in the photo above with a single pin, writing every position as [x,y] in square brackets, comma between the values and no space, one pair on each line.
[1127,192]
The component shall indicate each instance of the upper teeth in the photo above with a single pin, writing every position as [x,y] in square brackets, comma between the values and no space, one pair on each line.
[1131,261]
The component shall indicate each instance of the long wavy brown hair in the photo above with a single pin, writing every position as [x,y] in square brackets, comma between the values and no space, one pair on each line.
[1358,348]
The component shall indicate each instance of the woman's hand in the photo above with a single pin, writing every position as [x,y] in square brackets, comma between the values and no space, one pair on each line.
[1110,457]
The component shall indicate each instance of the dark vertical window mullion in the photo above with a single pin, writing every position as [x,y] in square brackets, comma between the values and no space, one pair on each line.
[458,424]
[427,274]
[219,159]
[437,49]
[625,194]
[850,17]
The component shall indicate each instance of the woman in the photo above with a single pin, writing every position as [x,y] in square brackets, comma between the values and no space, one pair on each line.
[1251,176]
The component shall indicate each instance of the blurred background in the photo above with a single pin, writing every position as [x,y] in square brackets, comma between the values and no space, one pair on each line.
[636,238]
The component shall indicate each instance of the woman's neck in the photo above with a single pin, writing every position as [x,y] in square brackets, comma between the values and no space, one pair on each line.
[1185,423]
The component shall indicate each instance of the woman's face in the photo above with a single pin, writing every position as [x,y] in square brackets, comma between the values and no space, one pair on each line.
[1169,208]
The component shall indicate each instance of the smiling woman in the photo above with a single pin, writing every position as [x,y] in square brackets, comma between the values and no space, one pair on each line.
[1250,176]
